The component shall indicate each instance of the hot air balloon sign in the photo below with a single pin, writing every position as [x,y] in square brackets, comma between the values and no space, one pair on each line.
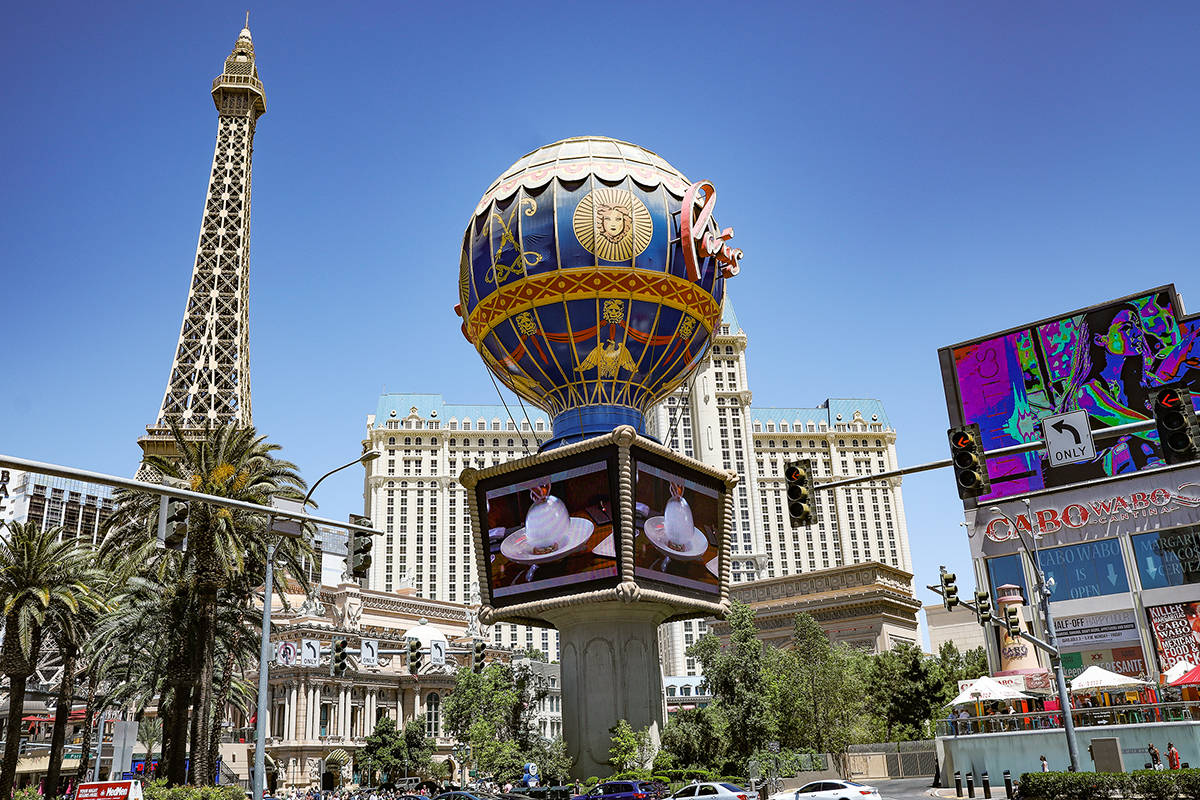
[591,279]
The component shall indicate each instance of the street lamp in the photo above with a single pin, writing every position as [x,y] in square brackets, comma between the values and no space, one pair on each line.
[264,651]
[1044,589]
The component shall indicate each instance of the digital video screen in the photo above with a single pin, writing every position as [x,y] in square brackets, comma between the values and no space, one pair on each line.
[676,525]
[550,534]
[1105,360]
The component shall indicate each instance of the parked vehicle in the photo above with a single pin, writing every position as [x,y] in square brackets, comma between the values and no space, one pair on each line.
[830,790]
[713,791]
[622,790]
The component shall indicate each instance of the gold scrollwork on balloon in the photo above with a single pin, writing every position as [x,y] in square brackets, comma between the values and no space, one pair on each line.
[525,324]
[523,259]
[613,224]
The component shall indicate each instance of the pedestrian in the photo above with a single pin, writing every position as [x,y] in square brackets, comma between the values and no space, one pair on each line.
[964,724]
[952,728]
[1155,758]
[1172,756]
[1045,765]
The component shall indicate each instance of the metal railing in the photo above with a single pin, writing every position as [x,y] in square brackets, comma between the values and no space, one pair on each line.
[1126,714]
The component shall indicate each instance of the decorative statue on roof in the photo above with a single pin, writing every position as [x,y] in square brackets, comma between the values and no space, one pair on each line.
[591,280]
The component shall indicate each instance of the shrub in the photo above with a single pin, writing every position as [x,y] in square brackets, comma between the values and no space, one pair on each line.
[592,781]
[631,775]
[1146,783]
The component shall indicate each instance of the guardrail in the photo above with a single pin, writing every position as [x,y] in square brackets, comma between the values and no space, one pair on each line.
[1126,714]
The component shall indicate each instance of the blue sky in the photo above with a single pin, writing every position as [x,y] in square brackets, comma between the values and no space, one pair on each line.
[901,176]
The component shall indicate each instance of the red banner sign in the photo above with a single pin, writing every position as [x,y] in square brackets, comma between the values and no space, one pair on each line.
[110,790]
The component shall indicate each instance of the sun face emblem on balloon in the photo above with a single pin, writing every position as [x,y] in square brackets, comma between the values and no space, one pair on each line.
[613,224]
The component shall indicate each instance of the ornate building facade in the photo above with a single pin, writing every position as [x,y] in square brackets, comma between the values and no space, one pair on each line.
[714,420]
[312,714]
[413,491]
[209,381]
[868,605]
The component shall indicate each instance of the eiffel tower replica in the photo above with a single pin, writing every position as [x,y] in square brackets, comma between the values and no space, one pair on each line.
[209,382]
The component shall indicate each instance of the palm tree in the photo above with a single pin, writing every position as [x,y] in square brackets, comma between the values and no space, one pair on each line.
[224,556]
[42,578]
[71,632]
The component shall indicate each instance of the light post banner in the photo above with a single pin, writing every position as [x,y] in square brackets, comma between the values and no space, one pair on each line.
[1146,501]
[1176,629]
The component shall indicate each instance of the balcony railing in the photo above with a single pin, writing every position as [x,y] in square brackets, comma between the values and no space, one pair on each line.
[1133,714]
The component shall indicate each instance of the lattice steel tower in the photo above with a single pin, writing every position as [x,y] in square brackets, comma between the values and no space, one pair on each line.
[210,376]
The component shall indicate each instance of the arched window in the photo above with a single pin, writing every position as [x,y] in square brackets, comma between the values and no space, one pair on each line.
[408,440]
[391,440]
[453,442]
[433,714]
[418,440]
[510,442]
[686,691]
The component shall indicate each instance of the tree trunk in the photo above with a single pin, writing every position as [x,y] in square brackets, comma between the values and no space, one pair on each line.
[12,734]
[201,764]
[175,748]
[194,736]
[92,708]
[58,737]
[218,714]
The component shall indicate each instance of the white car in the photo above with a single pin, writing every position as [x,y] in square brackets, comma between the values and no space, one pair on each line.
[830,790]
[712,791]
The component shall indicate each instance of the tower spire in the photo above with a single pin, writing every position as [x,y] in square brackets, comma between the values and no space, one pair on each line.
[209,382]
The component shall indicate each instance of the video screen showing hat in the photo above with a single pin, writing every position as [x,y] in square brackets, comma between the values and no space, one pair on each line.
[677,524]
[552,533]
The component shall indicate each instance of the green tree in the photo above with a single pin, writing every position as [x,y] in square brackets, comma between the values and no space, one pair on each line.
[397,752]
[553,760]
[493,711]
[906,688]
[623,755]
[734,675]
[958,666]
[693,737]
[43,578]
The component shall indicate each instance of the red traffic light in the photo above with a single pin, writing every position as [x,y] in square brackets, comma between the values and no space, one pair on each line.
[793,473]
[1170,398]
[962,440]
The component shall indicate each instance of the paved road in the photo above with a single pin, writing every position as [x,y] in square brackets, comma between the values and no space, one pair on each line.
[904,788]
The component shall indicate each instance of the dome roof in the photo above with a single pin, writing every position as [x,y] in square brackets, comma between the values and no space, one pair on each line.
[425,633]
[577,157]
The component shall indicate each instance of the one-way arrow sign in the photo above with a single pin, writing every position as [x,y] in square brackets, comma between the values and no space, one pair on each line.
[1068,438]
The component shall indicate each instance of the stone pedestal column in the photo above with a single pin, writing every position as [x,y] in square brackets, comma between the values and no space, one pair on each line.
[610,671]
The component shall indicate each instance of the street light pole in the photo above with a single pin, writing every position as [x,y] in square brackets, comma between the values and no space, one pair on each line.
[264,650]
[1060,679]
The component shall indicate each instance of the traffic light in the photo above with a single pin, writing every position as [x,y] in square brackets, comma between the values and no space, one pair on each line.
[1012,620]
[799,491]
[983,606]
[949,590]
[970,464]
[414,656]
[177,517]
[360,554]
[480,650]
[337,661]
[1178,429]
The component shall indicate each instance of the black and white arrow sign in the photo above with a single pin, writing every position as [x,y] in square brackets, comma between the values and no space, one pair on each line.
[1068,438]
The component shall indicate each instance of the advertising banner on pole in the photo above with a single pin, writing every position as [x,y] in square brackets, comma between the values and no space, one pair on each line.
[1176,628]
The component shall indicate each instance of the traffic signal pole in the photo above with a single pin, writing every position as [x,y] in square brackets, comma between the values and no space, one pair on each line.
[1024,447]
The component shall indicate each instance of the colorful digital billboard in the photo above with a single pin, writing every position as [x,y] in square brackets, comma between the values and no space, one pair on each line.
[551,532]
[676,526]
[1105,360]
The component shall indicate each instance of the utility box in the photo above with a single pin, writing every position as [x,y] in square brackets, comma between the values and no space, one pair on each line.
[1106,755]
